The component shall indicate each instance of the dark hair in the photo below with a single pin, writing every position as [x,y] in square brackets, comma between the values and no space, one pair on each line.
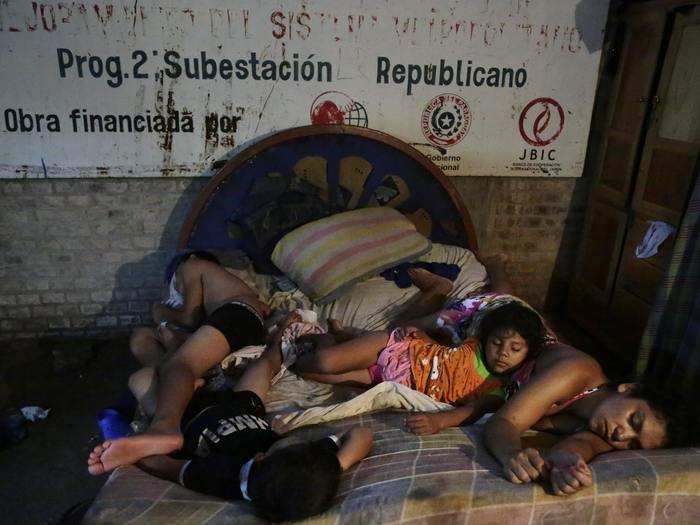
[517,317]
[675,408]
[181,257]
[295,482]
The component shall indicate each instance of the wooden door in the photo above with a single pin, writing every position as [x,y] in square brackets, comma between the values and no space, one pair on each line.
[641,46]
[598,260]
[670,155]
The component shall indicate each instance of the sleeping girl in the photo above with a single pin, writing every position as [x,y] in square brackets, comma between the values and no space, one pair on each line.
[471,375]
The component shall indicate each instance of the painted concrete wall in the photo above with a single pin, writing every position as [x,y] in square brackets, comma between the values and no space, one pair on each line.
[155,88]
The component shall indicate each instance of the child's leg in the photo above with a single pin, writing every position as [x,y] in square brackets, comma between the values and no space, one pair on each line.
[361,378]
[176,384]
[259,373]
[143,385]
[177,376]
[146,346]
[170,339]
[433,294]
[357,354]
[344,333]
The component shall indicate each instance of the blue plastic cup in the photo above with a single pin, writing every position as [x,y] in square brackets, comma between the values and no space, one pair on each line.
[113,424]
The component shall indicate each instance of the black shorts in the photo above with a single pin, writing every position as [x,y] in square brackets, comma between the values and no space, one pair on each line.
[224,403]
[240,324]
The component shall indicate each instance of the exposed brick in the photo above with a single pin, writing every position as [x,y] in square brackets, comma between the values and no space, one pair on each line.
[9,286]
[11,188]
[101,296]
[35,325]
[78,297]
[44,310]
[10,325]
[59,322]
[103,244]
[80,201]
[86,283]
[90,309]
[145,242]
[115,187]
[38,187]
[117,308]
[149,293]
[54,201]
[70,310]
[139,306]
[53,298]
[82,322]
[129,320]
[39,285]
[18,312]
[106,321]
[28,299]
[125,295]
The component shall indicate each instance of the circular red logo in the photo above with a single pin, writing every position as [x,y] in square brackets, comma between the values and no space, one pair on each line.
[446,120]
[541,121]
[335,107]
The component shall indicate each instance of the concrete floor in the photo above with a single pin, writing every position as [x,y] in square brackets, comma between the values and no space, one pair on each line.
[45,475]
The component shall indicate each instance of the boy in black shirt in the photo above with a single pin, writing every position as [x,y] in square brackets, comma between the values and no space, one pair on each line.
[227,442]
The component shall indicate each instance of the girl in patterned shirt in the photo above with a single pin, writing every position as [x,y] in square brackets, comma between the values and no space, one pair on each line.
[471,375]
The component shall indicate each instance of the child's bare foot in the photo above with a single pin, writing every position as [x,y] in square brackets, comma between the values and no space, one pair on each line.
[429,282]
[115,453]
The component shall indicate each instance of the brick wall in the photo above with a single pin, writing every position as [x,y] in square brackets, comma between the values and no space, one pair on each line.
[85,257]
[537,223]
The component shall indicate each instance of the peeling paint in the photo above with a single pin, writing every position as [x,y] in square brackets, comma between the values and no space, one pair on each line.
[118,68]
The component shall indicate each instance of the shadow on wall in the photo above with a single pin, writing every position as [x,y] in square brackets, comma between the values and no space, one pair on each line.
[138,283]
[565,264]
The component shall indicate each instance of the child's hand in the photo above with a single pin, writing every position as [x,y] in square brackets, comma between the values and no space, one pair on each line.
[356,444]
[424,423]
[286,321]
[292,317]
[569,473]
[525,466]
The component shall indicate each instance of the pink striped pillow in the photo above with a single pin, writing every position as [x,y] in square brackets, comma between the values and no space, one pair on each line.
[327,256]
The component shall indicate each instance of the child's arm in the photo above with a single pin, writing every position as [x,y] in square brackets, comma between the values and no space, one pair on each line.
[259,373]
[567,462]
[503,431]
[355,445]
[466,413]
[192,312]
[561,423]
[162,466]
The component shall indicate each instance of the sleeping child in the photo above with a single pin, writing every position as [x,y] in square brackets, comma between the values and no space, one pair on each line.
[471,375]
[228,449]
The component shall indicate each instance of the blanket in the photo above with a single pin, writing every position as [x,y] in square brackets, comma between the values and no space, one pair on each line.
[384,396]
